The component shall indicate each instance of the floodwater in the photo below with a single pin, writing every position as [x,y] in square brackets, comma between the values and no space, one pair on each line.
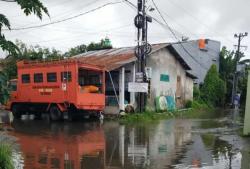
[176,143]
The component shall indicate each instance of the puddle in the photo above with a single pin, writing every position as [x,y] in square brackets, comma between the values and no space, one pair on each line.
[177,144]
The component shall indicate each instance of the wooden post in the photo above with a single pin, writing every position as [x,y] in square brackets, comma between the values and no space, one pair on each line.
[246,130]
[122,88]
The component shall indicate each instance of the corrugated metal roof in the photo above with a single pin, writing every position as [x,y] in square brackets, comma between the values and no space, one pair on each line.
[114,58]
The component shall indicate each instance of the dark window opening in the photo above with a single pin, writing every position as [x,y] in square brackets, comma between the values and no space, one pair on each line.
[51,77]
[66,77]
[90,81]
[38,77]
[25,78]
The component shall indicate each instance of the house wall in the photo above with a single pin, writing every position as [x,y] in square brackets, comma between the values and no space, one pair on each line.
[163,62]
[189,85]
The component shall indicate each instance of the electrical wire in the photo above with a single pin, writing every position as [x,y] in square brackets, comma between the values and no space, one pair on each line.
[66,19]
[195,18]
[179,42]
[166,25]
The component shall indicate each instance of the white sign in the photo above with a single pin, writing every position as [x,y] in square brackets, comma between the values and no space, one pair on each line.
[138,87]
[139,77]
[148,71]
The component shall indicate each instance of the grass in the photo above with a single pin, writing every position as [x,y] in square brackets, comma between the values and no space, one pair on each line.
[6,157]
[198,111]
[145,117]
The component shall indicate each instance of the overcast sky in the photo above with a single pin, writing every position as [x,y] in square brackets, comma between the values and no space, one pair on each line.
[214,19]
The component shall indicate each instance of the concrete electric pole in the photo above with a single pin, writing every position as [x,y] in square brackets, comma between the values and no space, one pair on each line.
[240,36]
[143,48]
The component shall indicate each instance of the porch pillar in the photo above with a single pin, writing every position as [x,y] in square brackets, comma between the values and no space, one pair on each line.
[122,88]
[132,94]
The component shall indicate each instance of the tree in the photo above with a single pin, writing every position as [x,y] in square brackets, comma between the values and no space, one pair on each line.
[228,61]
[76,50]
[4,92]
[103,44]
[28,53]
[214,88]
[28,7]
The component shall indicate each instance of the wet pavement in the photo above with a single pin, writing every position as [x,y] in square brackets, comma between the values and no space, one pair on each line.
[175,143]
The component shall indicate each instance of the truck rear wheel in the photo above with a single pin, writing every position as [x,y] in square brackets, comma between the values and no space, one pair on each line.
[55,113]
[16,110]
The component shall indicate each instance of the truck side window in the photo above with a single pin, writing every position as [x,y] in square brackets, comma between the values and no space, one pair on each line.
[51,77]
[25,78]
[38,77]
[66,77]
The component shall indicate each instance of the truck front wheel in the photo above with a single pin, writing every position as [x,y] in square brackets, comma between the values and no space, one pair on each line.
[55,113]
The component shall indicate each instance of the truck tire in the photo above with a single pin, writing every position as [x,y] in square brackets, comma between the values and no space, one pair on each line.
[55,113]
[16,110]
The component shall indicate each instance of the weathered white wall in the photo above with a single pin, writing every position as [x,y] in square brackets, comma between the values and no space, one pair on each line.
[163,62]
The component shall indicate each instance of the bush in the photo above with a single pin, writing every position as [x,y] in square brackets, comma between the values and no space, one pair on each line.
[189,104]
[214,89]
[196,93]
[6,157]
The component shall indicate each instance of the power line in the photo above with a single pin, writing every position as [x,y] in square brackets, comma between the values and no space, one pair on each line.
[179,42]
[195,18]
[134,7]
[66,19]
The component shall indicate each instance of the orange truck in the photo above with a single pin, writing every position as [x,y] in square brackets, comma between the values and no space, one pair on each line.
[62,88]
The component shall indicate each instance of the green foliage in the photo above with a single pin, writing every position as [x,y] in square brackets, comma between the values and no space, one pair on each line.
[33,6]
[104,44]
[196,93]
[76,50]
[6,157]
[189,104]
[28,7]
[228,60]
[214,89]
[145,117]
[4,92]
[4,22]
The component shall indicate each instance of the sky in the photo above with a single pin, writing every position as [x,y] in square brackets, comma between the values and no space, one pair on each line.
[213,19]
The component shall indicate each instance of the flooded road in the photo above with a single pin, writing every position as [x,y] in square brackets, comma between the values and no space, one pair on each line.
[176,143]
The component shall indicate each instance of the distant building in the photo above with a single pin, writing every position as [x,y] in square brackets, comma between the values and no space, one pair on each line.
[170,75]
[199,55]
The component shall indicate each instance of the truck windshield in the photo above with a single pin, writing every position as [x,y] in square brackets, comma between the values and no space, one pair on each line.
[90,81]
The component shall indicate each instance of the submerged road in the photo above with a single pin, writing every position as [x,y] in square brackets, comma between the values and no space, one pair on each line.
[176,143]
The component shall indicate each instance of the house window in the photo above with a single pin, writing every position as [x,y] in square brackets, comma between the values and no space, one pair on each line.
[25,78]
[66,77]
[38,77]
[51,77]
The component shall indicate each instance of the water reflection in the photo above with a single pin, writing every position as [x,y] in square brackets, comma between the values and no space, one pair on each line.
[56,146]
[169,144]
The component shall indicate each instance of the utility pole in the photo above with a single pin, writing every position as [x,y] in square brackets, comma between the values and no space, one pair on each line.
[240,36]
[143,48]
